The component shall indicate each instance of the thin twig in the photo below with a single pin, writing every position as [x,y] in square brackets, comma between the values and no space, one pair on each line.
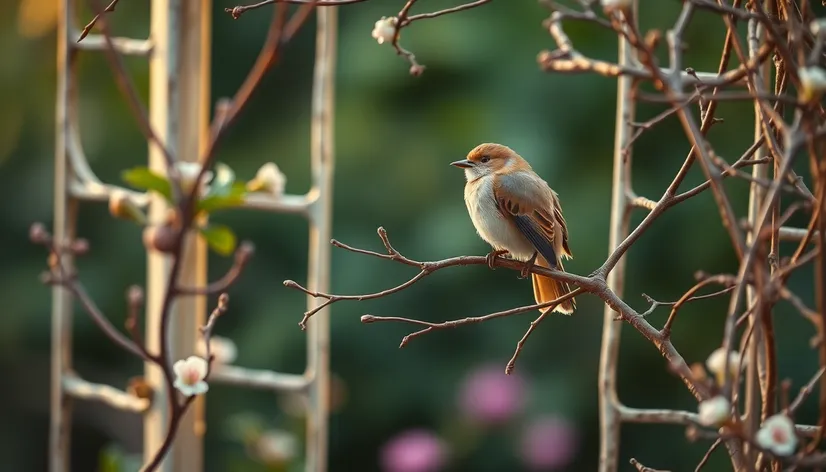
[594,284]
[805,391]
[641,468]
[130,92]
[708,453]
[242,256]
[239,10]
[60,276]
[88,28]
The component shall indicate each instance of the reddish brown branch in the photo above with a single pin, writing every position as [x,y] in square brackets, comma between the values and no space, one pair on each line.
[689,296]
[135,301]
[446,11]
[179,407]
[59,275]
[130,92]
[805,391]
[242,256]
[464,321]
[239,10]
[88,28]
[206,331]
[425,269]
[594,284]
[642,468]
[521,344]
[708,454]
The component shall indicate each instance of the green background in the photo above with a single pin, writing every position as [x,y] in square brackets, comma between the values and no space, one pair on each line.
[395,135]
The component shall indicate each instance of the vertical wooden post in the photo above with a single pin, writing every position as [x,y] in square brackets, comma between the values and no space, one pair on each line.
[754,354]
[64,230]
[322,162]
[178,110]
[610,419]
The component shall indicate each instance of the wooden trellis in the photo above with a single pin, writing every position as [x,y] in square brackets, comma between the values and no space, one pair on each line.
[613,412]
[178,51]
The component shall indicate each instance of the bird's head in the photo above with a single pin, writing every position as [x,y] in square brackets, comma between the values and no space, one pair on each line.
[490,158]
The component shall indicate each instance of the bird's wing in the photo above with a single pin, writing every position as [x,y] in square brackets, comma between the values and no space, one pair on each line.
[560,221]
[529,203]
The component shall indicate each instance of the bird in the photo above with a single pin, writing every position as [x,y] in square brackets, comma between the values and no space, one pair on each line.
[518,214]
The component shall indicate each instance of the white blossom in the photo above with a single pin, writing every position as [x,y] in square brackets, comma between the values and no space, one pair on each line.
[611,5]
[268,179]
[714,411]
[122,205]
[190,374]
[276,446]
[189,173]
[224,349]
[812,83]
[385,29]
[716,362]
[778,435]
[817,26]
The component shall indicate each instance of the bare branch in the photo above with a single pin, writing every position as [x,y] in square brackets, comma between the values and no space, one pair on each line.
[242,256]
[88,28]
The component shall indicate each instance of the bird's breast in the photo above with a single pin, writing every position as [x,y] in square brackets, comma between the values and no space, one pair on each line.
[489,222]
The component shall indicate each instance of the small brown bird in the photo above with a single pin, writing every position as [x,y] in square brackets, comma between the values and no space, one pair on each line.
[516,212]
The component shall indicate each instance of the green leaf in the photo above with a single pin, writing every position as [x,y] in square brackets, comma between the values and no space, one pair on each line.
[145,179]
[220,238]
[232,198]
[113,459]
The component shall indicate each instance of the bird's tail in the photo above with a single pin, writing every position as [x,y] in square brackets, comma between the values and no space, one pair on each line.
[546,289]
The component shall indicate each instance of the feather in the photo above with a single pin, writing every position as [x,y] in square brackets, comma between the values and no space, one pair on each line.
[539,239]
[533,207]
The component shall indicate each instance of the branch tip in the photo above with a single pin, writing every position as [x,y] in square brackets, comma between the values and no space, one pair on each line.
[38,234]
[135,295]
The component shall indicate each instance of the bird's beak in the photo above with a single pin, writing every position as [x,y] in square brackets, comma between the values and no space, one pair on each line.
[464,163]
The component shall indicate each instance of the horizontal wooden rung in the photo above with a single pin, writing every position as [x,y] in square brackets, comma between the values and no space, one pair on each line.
[795,234]
[97,192]
[79,388]
[126,46]
[288,204]
[261,379]
[645,415]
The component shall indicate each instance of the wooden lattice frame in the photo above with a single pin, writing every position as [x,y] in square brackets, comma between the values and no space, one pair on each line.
[178,53]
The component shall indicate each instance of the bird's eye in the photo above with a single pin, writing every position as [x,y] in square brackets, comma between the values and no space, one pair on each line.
[484,159]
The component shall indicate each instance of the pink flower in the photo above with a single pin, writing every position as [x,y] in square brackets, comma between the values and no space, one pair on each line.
[490,396]
[190,375]
[550,443]
[778,435]
[415,450]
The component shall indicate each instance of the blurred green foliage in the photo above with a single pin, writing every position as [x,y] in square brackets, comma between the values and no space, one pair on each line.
[395,135]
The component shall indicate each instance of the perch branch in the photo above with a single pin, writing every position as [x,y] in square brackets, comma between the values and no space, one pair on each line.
[594,284]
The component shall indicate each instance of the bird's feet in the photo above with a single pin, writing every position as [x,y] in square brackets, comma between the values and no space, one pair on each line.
[526,270]
[491,257]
